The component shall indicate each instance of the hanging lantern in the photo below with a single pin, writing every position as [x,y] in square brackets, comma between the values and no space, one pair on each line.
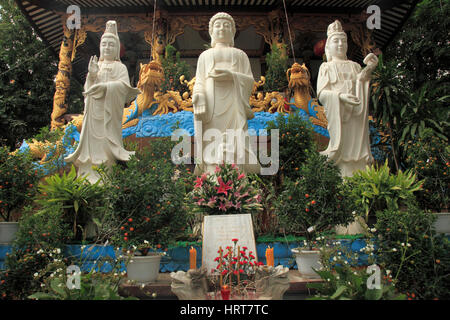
[319,48]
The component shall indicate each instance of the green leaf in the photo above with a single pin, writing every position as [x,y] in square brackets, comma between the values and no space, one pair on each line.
[43,296]
[340,290]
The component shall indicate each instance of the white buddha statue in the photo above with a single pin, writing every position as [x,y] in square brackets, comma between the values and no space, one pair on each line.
[343,89]
[223,85]
[107,89]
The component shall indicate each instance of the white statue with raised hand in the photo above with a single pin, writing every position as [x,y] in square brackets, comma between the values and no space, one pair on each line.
[343,89]
[221,94]
[107,90]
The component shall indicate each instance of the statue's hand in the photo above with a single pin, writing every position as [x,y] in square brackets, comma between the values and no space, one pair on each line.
[221,75]
[93,66]
[97,90]
[198,101]
[349,99]
[371,60]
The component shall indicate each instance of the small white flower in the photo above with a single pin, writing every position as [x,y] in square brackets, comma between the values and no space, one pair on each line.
[353,213]
[36,275]
[58,250]
[346,262]
[334,259]
[394,249]
[339,253]
[388,271]
[349,283]
[403,244]
[408,244]
[39,251]
[42,284]
[60,285]
[355,273]
[337,277]
[146,242]
[328,280]
[373,229]
[52,275]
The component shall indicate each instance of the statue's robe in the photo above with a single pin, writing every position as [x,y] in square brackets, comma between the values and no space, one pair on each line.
[227,107]
[348,125]
[101,134]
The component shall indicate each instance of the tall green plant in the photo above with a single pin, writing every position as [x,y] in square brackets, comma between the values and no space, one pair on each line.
[314,202]
[418,258]
[277,65]
[27,70]
[376,189]
[76,196]
[174,68]
[18,182]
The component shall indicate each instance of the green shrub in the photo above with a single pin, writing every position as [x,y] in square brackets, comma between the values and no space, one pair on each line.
[315,200]
[296,139]
[76,197]
[145,199]
[174,68]
[18,281]
[277,64]
[341,281]
[419,259]
[18,180]
[376,189]
[429,158]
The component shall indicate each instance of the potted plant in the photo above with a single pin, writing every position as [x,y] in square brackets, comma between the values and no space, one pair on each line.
[376,189]
[143,261]
[144,205]
[78,200]
[313,204]
[429,157]
[18,180]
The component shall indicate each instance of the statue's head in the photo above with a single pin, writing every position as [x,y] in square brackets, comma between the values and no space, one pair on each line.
[336,45]
[222,29]
[110,43]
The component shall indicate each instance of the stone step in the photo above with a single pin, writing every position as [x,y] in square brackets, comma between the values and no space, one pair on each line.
[162,287]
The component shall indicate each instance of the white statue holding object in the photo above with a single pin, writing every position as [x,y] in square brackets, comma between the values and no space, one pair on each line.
[221,94]
[107,90]
[343,89]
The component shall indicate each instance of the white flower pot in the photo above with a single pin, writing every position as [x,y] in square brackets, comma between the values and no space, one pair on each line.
[306,260]
[8,232]
[442,224]
[144,269]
